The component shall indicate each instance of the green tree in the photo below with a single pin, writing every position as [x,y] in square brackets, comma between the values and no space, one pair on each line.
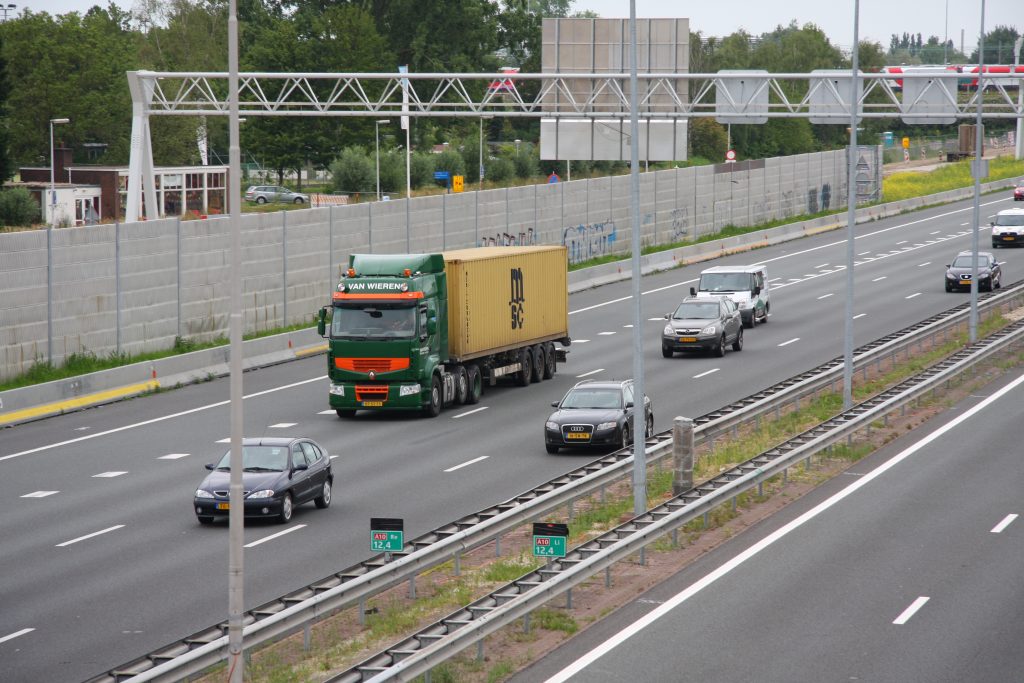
[998,46]
[353,171]
[526,161]
[422,167]
[708,139]
[19,208]
[450,160]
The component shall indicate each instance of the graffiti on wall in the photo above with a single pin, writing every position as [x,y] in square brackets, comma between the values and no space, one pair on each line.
[813,195]
[503,239]
[680,224]
[585,242]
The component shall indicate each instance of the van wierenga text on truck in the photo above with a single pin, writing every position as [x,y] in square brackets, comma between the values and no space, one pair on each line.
[422,331]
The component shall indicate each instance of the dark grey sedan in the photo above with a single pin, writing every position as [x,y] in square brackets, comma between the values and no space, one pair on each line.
[703,324]
[958,273]
[278,474]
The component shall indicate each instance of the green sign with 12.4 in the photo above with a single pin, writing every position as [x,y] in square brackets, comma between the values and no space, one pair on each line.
[386,541]
[549,546]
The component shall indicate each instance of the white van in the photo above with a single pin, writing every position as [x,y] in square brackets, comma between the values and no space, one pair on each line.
[747,286]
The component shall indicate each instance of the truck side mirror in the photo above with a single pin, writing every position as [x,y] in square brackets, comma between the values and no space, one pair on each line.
[693,291]
[321,323]
[757,290]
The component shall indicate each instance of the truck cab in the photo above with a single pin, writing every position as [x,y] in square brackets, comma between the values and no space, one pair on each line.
[747,286]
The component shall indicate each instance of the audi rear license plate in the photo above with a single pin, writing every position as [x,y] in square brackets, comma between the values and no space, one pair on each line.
[372,404]
[583,436]
[688,340]
[223,506]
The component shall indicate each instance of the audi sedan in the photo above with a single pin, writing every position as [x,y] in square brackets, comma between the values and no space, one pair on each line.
[958,273]
[278,474]
[595,414]
[703,324]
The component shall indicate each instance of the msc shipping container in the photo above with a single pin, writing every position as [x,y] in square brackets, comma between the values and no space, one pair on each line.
[501,298]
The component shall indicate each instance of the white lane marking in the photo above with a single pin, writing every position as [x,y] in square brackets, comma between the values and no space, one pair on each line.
[77,429]
[630,326]
[654,320]
[918,244]
[467,463]
[326,412]
[787,343]
[864,253]
[87,536]
[333,457]
[926,263]
[912,295]
[283,425]
[902,242]
[1007,521]
[822,265]
[773,279]
[154,420]
[794,279]
[273,536]
[588,374]
[605,334]
[825,296]
[910,611]
[227,440]
[39,494]
[963,224]
[705,374]
[16,634]
[859,315]
[176,456]
[879,279]
[107,475]
[580,341]
[935,232]
[469,412]
[679,598]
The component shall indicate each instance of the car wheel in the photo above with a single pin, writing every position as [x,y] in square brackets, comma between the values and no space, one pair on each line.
[433,408]
[551,448]
[625,436]
[539,361]
[666,352]
[204,519]
[998,283]
[476,384]
[286,509]
[550,363]
[261,200]
[461,385]
[720,349]
[298,200]
[948,288]
[324,499]
[753,318]
[649,432]
[345,413]
[738,344]
[525,373]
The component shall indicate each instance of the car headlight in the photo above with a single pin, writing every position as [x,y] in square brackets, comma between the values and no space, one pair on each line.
[553,426]
[669,331]
[338,389]
[710,329]
[950,276]
[265,493]
[200,493]
[605,425]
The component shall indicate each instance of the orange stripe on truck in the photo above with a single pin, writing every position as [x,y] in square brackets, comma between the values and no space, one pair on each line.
[371,364]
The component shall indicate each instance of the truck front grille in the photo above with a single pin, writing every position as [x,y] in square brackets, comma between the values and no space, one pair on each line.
[371,364]
[371,392]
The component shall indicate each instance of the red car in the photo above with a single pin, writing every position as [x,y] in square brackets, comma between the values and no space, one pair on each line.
[1018,193]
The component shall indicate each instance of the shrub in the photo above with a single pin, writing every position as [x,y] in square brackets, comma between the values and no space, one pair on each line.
[450,160]
[353,171]
[498,170]
[526,162]
[19,208]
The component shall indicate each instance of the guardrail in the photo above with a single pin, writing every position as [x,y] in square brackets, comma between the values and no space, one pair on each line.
[420,652]
[299,609]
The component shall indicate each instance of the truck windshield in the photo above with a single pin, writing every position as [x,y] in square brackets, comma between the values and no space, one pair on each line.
[373,322]
[725,282]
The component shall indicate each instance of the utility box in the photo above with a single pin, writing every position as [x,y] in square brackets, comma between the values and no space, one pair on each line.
[966,142]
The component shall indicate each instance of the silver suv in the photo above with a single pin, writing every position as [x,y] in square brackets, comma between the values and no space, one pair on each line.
[261,194]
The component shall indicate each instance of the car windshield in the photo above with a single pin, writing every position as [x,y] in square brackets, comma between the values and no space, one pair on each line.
[592,398]
[725,282]
[695,309]
[1015,221]
[964,261]
[259,459]
[373,322]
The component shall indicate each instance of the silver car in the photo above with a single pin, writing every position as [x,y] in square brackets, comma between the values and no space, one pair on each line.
[261,194]
[703,324]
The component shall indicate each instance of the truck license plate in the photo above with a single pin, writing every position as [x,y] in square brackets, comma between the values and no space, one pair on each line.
[372,404]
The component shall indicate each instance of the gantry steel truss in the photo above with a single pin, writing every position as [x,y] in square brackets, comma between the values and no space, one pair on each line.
[739,97]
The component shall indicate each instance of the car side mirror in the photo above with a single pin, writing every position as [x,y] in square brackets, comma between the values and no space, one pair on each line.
[321,323]
[629,404]
[693,291]
[299,468]
[947,265]
[554,404]
[210,466]
[667,316]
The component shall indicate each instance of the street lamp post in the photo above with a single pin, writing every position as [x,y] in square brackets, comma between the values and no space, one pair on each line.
[49,249]
[8,9]
[517,141]
[481,169]
[376,125]
[53,190]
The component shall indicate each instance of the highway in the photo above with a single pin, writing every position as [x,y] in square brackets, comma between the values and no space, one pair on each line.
[104,560]
[905,568]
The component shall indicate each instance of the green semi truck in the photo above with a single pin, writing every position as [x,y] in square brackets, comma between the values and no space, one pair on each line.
[424,331]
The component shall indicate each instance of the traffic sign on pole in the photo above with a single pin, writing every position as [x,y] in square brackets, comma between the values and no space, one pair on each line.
[730,156]
[549,539]
[386,535]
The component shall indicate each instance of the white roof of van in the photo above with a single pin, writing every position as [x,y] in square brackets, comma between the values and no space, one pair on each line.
[734,269]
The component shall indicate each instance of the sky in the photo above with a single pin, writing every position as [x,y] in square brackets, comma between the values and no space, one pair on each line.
[879,19]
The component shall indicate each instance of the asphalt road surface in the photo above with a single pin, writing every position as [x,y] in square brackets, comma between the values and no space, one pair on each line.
[103,558]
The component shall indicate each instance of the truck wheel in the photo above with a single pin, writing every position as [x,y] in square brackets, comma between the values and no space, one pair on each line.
[461,385]
[539,361]
[433,408]
[550,363]
[345,413]
[476,384]
[525,372]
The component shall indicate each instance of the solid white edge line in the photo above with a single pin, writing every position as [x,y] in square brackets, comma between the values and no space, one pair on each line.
[879,279]
[87,536]
[719,572]
[859,315]
[1007,521]
[466,464]
[273,536]
[469,412]
[588,374]
[787,343]
[16,634]
[913,295]
[705,374]
[904,617]
[825,296]
[39,494]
